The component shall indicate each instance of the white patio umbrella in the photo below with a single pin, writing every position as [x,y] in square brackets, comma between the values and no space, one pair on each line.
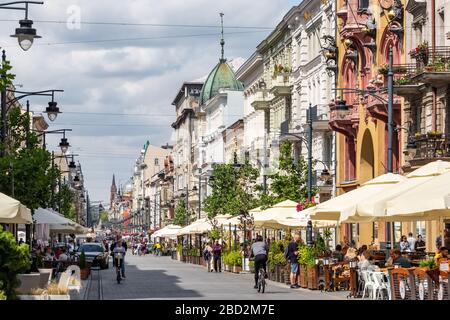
[44,216]
[376,205]
[427,201]
[343,208]
[12,211]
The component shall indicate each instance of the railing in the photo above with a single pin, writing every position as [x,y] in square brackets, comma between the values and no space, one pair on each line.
[437,60]
[432,146]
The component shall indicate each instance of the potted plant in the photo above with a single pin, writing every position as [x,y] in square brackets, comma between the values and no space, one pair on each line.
[54,292]
[427,264]
[383,69]
[34,294]
[403,81]
[420,53]
[251,265]
[306,259]
[84,269]
[179,251]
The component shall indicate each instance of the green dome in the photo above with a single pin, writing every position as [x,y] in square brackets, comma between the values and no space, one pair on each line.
[221,77]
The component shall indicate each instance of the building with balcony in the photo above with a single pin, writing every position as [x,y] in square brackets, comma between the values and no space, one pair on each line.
[423,80]
[187,138]
[313,86]
[366,32]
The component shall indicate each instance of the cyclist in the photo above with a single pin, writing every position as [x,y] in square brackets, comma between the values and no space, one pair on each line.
[259,252]
[119,251]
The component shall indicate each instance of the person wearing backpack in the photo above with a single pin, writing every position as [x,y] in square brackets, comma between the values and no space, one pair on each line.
[291,254]
[207,254]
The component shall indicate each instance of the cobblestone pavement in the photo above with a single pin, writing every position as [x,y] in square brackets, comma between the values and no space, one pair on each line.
[161,278]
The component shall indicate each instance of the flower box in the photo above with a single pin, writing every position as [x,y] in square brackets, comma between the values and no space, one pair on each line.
[59,297]
[312,278]
[32,297]
[84,273]
[237,269]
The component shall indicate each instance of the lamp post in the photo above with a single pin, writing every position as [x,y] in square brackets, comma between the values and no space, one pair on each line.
[25,34]
[64,143]
[325,175]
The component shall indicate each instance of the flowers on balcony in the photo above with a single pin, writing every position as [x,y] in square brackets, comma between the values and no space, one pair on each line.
[402,81]
[434,134]
[306,204]
[420,53]
[383,69]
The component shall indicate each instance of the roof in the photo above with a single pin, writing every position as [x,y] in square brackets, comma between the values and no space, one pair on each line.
[181,91]
[221,77]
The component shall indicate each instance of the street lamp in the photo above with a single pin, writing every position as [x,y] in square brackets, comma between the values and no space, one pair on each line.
[52,110]
[342,109]
[25,34]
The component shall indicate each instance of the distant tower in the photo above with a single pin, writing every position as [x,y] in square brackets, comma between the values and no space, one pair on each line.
[113,191]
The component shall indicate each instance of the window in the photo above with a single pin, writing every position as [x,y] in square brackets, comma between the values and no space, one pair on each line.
[156,162]
[363,5]
[421,229]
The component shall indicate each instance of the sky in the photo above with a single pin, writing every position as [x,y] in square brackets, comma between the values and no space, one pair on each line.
[120,79]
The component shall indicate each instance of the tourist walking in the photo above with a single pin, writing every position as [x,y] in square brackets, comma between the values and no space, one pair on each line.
[217,254]
[207,255]
[292,255]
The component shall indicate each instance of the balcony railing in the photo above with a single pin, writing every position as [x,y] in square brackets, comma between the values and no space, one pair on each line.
[432,146]
[431,66]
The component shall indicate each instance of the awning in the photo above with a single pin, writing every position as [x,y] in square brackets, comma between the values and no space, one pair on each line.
[44,216]
[376,205]
[425,202]
[192,228]
[343,208]
[12,211]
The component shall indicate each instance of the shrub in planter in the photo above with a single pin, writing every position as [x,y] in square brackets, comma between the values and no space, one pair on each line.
[84,269]
[14,259]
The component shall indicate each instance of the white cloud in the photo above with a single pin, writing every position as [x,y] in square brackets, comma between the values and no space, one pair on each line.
[129,76]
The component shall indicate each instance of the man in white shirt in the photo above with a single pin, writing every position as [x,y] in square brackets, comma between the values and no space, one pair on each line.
[63,256]
[412,241]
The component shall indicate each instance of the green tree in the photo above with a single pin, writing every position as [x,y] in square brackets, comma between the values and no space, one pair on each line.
[26,173]
[65,199]
[104,217]
[233,190]
[14,259]
[291,179]
[181,213]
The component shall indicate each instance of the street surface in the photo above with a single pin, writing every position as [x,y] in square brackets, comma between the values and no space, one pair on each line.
[150,277]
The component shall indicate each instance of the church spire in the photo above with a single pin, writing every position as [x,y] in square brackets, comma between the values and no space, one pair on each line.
[114,180]
[222,41]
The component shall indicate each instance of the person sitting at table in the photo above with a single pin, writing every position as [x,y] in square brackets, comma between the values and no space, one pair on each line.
[441,255]
[361,252]
[337,254]
[49,256]
[63,256]
[364,262]
[404,245]
[351,254]
[420,245]
[398,259]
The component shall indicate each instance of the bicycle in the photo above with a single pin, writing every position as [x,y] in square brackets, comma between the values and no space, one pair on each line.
[119,260]
[261,280]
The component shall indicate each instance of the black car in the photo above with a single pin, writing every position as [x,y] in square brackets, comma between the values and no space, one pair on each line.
[94,250]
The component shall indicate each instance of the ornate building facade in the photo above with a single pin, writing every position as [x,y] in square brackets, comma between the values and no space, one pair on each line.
[366,30]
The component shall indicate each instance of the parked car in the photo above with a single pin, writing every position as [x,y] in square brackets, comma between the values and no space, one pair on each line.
[95,249]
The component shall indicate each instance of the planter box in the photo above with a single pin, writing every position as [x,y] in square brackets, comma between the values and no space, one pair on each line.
[237,269]
[313,276]
[303,277]
[32,297]
[287,275]
[59,297]
[84,273]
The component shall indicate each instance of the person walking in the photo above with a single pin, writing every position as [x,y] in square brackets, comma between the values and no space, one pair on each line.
[217,254]
[291,255]
[207,254]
